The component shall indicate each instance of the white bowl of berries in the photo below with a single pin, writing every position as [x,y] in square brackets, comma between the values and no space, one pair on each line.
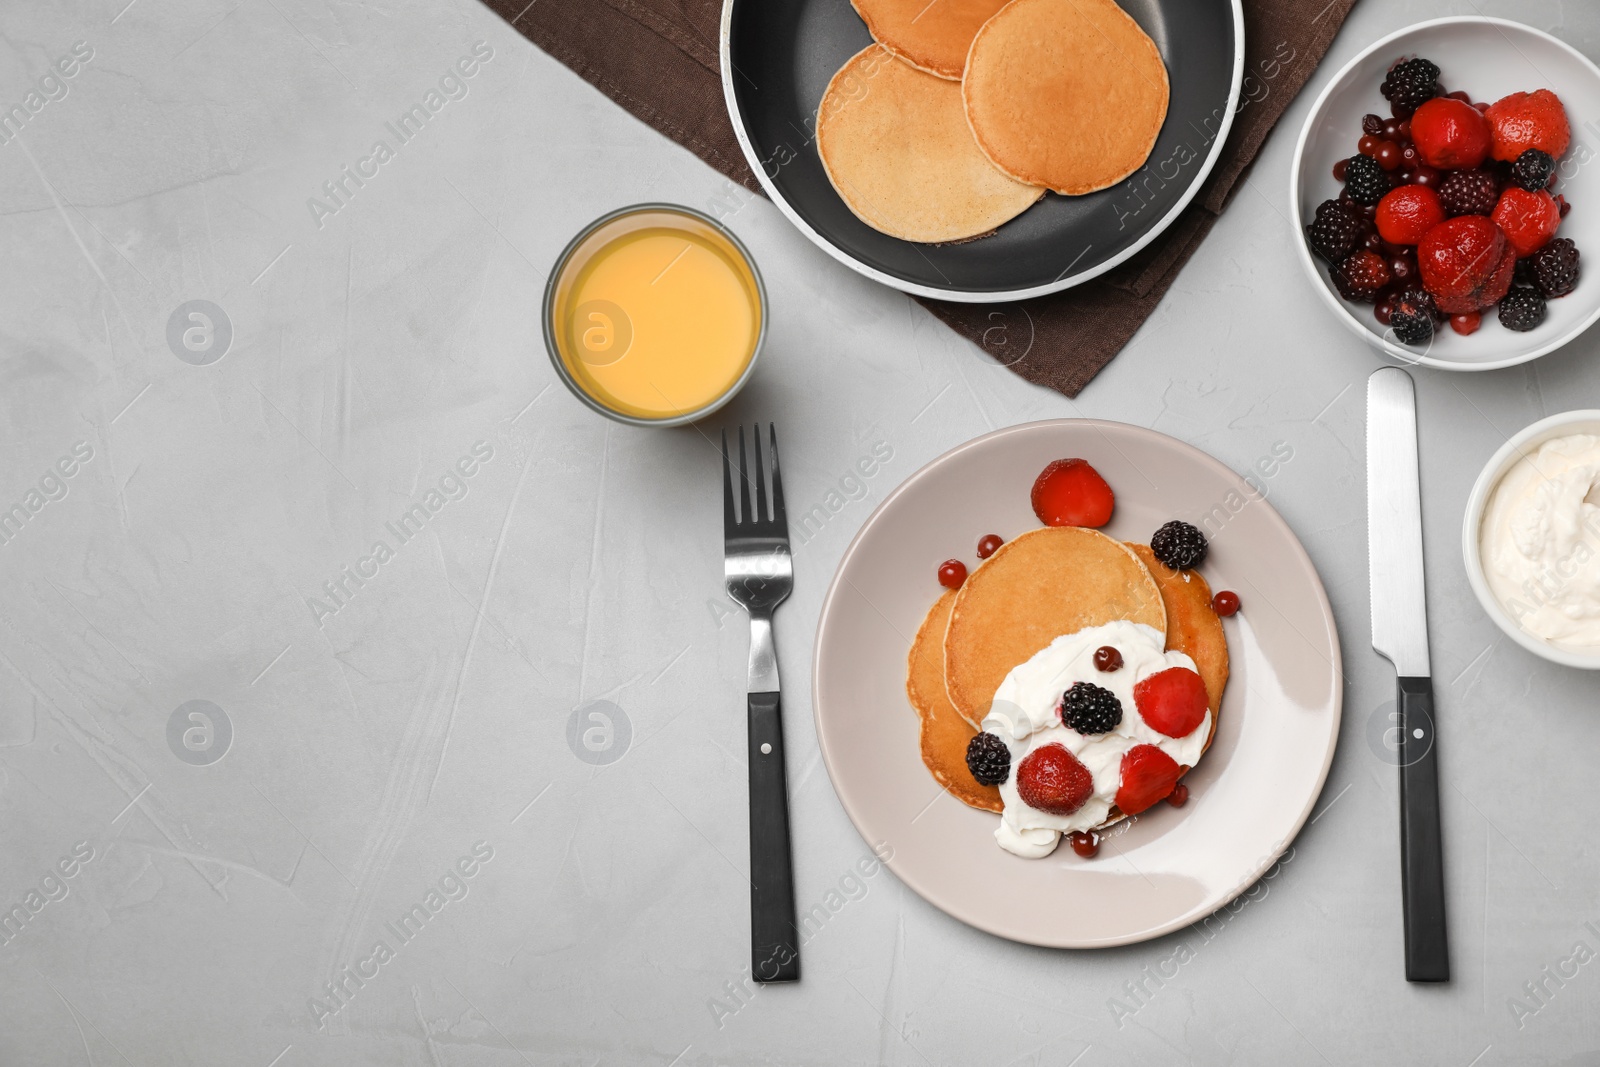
[1443,190]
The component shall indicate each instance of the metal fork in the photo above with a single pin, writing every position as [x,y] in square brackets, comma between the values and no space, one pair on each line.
[760,576]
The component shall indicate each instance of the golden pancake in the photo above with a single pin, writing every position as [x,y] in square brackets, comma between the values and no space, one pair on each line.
[944,733]
[931,35]
[1068,94]
[1047,582]
[1193,627]
[897,148]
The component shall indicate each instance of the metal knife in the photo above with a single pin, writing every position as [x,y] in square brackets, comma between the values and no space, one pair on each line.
[1400,634]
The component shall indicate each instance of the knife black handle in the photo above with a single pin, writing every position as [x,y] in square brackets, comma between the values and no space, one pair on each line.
[1421,854]
[774,946]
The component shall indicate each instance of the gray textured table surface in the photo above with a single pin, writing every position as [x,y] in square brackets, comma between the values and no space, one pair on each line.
[415,729]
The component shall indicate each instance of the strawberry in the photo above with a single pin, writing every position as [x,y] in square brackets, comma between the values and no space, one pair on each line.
[1069,492]
[1172,702]
[1052,780]
[1148,775]
[1529,120]
[1406,213]
[1466,263]
[1450,134]
[1528,220]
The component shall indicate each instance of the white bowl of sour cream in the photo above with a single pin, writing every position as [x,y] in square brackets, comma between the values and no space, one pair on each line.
[1531,538]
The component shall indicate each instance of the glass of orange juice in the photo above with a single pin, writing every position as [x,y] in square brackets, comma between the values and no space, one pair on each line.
[654,315]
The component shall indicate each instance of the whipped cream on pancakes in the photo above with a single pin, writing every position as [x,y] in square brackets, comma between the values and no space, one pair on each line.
[1025,714]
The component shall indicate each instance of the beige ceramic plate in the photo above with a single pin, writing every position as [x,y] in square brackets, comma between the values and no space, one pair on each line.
[1169,867]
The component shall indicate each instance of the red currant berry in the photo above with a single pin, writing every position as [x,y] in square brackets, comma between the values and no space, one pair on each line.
[1085,843]
[1422,174]
[1405,130]
[1179,795]
[1107,659]
[988,544]
[952,572]
[1225,603]
[1387,154]
[1339,169]
[1466,323]
[1410,156]
[1383,311]
[1368,145]
[1460,95]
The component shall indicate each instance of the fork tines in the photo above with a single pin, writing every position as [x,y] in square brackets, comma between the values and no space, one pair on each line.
[766,521]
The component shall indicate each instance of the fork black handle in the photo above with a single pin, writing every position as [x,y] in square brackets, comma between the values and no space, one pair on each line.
[1421,854]
[774,944]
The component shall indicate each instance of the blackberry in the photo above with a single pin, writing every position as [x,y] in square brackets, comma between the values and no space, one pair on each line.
[1532,170]
[1410,84]
[988,759]
[1090,709]
[1365,180]
[1469,192]
[1555,267]
[1179,545]
[1416,294]
[1361,276]
[1336,230]
[1412,319]
[1521,309]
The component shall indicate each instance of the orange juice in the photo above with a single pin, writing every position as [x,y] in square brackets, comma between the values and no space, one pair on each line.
[654,314]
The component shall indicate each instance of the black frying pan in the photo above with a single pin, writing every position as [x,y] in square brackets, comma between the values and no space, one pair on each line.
[778,56]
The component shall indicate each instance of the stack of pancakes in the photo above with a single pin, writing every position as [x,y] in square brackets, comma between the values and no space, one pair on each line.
[1047,582]
[965,111]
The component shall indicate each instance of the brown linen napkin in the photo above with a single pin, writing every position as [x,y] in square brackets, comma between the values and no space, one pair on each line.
[658,59]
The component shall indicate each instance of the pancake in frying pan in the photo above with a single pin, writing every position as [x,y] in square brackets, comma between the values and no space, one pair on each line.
[1067,94]
[896,146]
[931,35]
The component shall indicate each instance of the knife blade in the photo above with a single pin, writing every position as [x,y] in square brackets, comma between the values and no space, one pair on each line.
[1400,634]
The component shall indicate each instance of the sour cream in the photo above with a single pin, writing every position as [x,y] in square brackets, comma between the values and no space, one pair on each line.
[1024,715]
[1540,541]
